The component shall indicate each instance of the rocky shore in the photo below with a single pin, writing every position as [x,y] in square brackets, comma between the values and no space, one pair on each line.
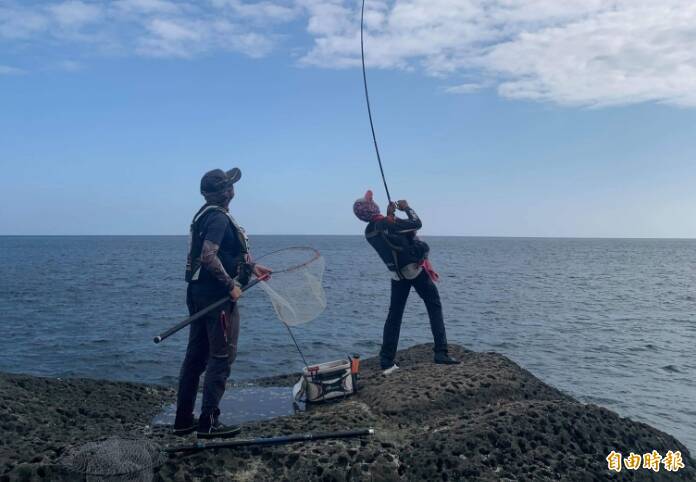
[486,419]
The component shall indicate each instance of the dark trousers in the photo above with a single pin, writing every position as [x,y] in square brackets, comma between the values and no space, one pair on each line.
[427,290]
[212,347]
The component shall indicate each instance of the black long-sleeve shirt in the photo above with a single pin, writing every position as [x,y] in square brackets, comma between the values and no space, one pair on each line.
[400,232]
[400,226]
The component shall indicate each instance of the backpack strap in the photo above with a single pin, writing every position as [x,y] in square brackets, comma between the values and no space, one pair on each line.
[238,230]
[394,249]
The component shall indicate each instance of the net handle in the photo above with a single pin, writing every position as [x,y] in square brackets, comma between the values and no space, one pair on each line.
[183,324]
[315,256]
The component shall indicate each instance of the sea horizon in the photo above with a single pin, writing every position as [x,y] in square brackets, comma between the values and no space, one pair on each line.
[464,236]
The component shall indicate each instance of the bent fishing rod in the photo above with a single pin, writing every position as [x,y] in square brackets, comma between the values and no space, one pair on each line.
[367,99]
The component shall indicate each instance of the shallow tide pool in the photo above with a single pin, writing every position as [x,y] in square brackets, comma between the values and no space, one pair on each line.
[244,404]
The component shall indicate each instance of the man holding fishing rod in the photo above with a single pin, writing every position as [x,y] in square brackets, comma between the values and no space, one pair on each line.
[406,257]
[218,264]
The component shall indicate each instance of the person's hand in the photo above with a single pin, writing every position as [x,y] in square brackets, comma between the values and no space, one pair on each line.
[402,205]
[262,272]
[235,293]
[391,209]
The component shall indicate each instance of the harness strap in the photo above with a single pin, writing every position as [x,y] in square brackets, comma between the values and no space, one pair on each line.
[241,233]
[394,249]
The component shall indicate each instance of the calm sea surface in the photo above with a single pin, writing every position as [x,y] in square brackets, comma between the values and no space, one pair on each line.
[611,322]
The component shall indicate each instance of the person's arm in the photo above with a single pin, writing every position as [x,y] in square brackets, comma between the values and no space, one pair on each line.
[212,263]
[413,223]
[209,254]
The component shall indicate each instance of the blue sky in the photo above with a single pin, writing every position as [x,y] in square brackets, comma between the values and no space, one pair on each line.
[494,118]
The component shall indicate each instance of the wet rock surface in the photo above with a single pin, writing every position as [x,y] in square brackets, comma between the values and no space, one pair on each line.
[486,419]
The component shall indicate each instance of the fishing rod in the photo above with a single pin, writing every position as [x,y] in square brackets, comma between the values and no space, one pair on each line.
[367,99]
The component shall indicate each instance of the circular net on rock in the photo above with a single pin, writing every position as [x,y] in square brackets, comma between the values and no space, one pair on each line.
[115,459]
[295,286]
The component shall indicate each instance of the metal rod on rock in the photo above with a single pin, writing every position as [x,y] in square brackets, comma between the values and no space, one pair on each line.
[285,439]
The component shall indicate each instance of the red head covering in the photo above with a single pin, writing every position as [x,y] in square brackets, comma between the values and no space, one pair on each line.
[365,208]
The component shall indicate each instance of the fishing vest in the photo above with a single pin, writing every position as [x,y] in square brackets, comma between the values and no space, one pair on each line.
[231,263]
[396,251]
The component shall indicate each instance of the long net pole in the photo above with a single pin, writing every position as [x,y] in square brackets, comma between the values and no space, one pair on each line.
[296,345]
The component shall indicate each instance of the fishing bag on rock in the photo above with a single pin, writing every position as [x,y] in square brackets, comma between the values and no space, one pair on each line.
[328,381]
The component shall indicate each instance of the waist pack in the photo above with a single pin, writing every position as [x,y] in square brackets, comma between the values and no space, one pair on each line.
[420,250]
[328,381]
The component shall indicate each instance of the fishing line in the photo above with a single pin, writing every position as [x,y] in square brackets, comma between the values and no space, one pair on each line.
[367,99]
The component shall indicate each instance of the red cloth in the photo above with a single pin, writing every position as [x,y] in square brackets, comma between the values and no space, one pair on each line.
[428,267]
[379,217]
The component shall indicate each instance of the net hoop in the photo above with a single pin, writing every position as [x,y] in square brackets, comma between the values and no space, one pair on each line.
[312,254]
[295,283]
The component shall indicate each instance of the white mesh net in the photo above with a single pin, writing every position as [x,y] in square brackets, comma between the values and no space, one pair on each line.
[115,459]
[295,287]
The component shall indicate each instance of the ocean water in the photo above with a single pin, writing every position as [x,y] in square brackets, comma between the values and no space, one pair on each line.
[612,322]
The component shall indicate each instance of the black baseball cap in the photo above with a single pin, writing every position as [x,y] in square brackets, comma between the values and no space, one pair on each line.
[218,180]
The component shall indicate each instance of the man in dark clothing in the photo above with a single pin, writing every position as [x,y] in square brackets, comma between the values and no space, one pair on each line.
[405,255]
[218,265]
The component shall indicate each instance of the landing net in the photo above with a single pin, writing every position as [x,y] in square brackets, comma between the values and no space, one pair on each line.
[295,287]
[115,459]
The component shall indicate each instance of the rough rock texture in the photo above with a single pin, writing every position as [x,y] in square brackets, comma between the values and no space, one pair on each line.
[486,419]
[39,417]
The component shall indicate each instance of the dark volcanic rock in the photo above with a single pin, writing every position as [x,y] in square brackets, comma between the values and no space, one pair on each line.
[420,393]
[39,417]
[486,419]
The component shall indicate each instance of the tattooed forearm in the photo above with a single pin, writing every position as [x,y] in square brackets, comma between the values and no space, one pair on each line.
[211,262]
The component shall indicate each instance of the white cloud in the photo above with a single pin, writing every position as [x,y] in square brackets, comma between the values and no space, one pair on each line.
[19,23]
[171,38]
[573,52]
[175,31]
[264,11]
[466,88]
[570,52]
[160,28]
[75,13]
[637,54]
[69,66]
[8,70]
[146,6]
[188,38]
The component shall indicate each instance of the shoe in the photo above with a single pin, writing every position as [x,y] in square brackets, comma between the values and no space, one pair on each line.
[390,370]
[210,427]
[185,427]
[445,359]
[218,430]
